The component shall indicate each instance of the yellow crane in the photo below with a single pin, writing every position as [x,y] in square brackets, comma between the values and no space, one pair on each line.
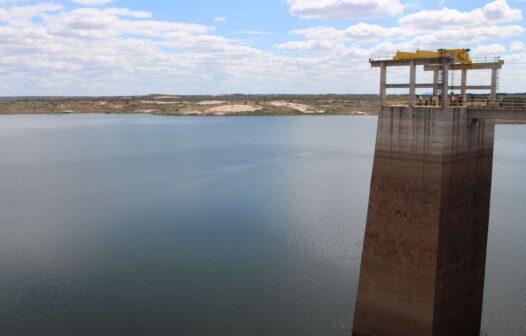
[459,55]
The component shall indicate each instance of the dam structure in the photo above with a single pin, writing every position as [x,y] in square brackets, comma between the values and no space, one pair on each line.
[424,253]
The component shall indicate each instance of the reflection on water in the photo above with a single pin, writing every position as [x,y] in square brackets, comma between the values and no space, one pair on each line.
[134,225]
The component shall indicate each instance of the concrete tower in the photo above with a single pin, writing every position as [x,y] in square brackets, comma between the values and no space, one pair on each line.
[424,255]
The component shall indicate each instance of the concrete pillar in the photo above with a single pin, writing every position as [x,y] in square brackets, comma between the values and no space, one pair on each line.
[424,254]
[435,83]
[445,85]
[494,84]
[463,90]
[412,83]
[383,83]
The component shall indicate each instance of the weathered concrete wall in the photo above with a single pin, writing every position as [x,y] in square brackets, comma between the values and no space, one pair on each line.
[424,254]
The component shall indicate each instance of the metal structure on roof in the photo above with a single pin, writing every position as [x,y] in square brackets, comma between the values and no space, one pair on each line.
[441,63]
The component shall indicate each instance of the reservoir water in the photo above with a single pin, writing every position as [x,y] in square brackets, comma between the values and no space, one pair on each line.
[145,225]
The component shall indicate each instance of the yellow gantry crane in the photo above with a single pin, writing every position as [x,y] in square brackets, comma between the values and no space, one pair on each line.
[459,55]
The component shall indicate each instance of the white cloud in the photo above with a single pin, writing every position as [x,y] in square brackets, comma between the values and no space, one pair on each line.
[253,32]
[111,22]
[47,49]
[489,50]
[360,32]
[93,2]
[517,46]
[311,45]
[363,31]
[500,11]
[352,46]
[108,51]
[319,33]
[220,19]
[495,12]
[436,19]
[344,9]
[19,14]
[465,36]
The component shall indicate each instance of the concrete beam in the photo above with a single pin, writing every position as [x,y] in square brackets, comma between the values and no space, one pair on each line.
[407,86]
[472,66]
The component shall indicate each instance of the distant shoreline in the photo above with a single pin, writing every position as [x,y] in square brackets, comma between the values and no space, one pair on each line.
[196,105]
[223,105]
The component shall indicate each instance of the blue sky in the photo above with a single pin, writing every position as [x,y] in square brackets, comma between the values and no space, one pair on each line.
[104,47]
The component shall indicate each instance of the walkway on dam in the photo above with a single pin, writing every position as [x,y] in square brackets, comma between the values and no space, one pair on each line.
[501,109]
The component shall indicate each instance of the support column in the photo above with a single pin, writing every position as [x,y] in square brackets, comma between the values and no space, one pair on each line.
[383,83]
[412,84]
[424,253]
[445,85]
[435,82]
[463,90]
[493,84]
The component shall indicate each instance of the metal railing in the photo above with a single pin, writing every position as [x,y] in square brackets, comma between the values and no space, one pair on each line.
[505,104]
[388,56]
[383,56]
[508,104]
[485,59]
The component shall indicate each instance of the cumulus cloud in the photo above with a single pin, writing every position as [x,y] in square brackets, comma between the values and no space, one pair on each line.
[424,29]
[254,32]
[111,22]
[363,31]
[489,50]
[19,14]
[500,11]
[319,33]
[93,2]
[482,29]
[517,46]
[344,9]
[466,36]
[495,12]
[359,33]
[311,45]
[49,49]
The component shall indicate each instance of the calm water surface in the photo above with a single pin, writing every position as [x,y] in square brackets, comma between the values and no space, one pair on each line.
[143,225]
